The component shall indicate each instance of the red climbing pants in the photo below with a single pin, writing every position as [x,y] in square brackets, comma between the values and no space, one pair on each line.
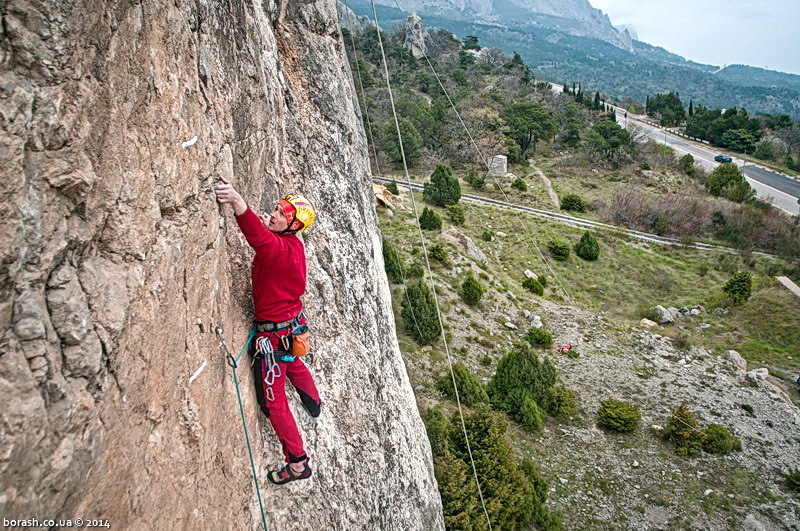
[271,395]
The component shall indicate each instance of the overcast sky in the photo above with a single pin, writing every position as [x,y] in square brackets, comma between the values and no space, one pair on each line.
[762,33]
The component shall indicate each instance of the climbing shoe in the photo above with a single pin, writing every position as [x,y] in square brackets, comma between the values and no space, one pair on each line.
[286,474]
[309,404]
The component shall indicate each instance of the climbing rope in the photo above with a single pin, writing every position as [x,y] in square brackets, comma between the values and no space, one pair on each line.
[531,240]
[363,93]
[233,363]
[428,265]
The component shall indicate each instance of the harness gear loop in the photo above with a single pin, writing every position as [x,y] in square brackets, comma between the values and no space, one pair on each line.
[270,365]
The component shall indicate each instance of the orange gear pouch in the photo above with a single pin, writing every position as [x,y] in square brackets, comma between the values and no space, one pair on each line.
[301,340]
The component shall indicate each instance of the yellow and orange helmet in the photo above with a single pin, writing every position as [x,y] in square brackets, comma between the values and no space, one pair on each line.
[299,212]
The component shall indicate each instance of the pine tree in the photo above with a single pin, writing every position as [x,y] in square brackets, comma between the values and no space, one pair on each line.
[588,248]
[392,187]
[691,108]
[471,290]
[739,287]
[520,374]
[430,220]
[443,189]
[470,390]
[395,269]
[419,313]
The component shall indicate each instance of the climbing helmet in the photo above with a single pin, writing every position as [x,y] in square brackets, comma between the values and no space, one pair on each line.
[299,212]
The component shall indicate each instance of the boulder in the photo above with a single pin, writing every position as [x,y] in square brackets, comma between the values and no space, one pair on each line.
[530,274]
[470,249]
[664,316]
[647,323]
[735,358]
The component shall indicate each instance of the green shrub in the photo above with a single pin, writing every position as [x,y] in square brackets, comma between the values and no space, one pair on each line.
[442,189]
[439,253]
[719,440]
[573,203]
[515,499]
[486,360]
[456,214]
[392,187]
[542,517]
[565,402]
[419,312]
[558,249]
[682,431]
[415,270]
[645,166]
[533,285]
[619,416]
[430,220]
[793,480]
[724,176]
[588,248]
[487,236]
[519,375]
[539,337]
[475,180]
[530,414]
[438,428]
[520,184]
[686,165]
[543,280]
[470,390]
[471,290]
[393,264]
[739,287]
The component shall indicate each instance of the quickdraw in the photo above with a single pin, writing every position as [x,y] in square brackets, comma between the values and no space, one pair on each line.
[272,370]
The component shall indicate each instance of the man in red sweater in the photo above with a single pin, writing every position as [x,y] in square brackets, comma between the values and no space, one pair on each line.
[278,276]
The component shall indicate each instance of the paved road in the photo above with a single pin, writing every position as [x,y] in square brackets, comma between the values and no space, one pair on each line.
[780,190]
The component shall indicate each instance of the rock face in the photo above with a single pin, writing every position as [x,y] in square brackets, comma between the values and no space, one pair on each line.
[116,265]
[415,36]
[352,22]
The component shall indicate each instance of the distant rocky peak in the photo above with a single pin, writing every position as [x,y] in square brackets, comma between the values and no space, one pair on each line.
[575,17]
[353,23]
[415,36]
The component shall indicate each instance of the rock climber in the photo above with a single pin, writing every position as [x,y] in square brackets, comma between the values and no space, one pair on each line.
[278,275]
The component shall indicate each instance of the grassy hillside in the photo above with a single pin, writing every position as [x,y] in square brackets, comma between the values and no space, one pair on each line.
[530,410]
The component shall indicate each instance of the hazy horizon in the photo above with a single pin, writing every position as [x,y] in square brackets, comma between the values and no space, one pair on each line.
[716,32]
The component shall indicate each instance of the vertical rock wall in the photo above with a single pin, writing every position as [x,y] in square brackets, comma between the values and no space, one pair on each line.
[116,265]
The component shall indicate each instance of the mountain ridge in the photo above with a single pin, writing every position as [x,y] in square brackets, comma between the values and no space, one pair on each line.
[598,65]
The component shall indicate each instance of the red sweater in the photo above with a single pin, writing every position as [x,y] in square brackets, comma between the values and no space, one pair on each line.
[278,272]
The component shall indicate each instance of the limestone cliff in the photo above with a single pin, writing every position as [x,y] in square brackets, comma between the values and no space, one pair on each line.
[116,265]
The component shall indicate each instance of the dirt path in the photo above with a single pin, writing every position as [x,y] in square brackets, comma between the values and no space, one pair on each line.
[546,181]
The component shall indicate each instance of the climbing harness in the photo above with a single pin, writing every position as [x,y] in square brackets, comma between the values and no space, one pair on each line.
[272,326]
[233,364]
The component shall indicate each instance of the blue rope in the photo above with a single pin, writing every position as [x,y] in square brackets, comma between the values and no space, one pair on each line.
[233,364]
